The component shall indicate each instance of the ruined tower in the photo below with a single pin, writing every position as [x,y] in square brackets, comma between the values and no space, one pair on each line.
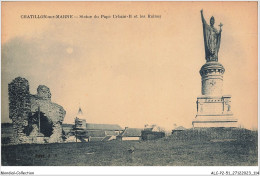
[32,115]
[19,108]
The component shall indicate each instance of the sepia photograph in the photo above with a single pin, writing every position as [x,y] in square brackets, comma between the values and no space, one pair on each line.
[131,83]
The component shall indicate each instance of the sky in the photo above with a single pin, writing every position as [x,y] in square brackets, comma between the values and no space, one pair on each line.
[134,71]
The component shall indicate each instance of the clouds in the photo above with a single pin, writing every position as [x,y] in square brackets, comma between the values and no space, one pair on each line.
[41,59]
[125,71]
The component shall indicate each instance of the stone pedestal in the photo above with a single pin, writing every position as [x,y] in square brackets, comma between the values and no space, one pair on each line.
[214,111]
[213,108]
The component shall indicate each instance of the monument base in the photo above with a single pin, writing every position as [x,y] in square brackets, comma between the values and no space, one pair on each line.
[214,111]
[206,121]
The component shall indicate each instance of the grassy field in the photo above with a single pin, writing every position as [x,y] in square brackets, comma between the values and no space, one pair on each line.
[176,150]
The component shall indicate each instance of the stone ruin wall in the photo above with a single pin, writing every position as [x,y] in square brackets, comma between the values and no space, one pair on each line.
[22,107]
[19,108]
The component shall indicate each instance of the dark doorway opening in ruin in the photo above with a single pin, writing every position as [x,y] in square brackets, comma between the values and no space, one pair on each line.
[46,126]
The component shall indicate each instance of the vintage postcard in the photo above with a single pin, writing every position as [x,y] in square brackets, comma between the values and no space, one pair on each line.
[130,84]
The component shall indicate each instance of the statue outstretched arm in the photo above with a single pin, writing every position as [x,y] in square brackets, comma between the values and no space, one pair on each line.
[202,17]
